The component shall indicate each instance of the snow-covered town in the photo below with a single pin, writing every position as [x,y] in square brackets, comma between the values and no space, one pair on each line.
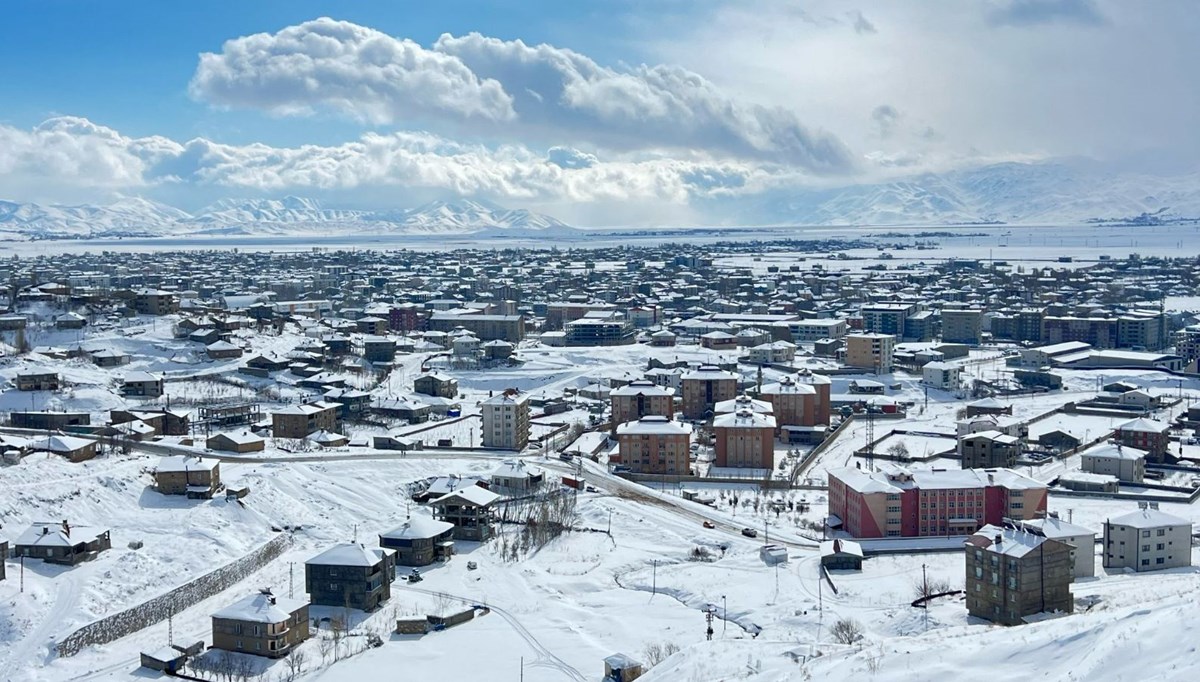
[600,341]
[762,460]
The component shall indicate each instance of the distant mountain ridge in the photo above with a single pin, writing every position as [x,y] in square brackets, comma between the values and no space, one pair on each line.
[290,215]
[1047,193]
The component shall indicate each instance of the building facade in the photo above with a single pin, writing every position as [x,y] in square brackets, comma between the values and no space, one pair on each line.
[899,502]
[655,445]
[1147,540]
[704,387]
[1012,573]
[506,420]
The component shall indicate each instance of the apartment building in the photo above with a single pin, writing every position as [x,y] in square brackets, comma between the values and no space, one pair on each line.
[745,439]
[655,445]
[1146,434]
[506,420]
[1147,540]
[799,400]
[704,387]
[886,318]
[1012,573]
[809,331]
[1128,464]
[1082,539]
[989,449]
[871,351]
[900,502]
[301,421]
[962,325]
[509,328]
[638,399]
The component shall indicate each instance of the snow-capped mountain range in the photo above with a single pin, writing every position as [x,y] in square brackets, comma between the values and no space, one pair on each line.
[290,215]
[1049,193]
[1052,193]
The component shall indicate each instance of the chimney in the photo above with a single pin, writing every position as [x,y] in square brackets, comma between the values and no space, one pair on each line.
[998,539]
[66,528]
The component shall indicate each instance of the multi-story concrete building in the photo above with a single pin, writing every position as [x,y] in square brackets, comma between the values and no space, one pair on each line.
[1147,540]
[350,575]
[638,399]
[1187,345]
[600,328]
[962,325]
[1128,464]
[808,331]
[155,302]
[261,624]
[872,352]
[655,445]
[506,420]
[301,421]
[1082,539]
[1142,330]
[799,400]
[745,439]
[989,449]
[901,502]
[509,328]
[704,387]
[943,375]
[1146,434]
[1012,573]
[886,318]
[1100,332]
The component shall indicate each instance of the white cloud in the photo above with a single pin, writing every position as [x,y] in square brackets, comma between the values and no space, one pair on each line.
[506,90]
[350,69]
[642,107]
[72,154]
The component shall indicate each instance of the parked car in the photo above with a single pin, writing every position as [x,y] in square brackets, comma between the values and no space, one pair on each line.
[709,524]
[591,489]
[750,532]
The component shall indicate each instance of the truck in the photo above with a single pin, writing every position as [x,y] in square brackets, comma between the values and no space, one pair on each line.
[572,482]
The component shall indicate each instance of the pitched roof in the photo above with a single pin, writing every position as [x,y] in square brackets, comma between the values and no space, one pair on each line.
[261,608]
[348,554]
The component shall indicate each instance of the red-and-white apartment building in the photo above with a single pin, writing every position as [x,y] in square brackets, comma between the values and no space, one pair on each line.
[900,502]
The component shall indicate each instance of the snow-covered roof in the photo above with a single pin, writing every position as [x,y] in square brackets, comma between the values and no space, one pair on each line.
[261,608]
[1110,450]
[183,463]
[420,527]
[896,479]
[745,419]
[59,443]
[240,437]
[476,495]
[744,402]
[1055,528]
[1148,518]
[642,387]
[839,546]
[1143,425]
[709,373]
[515,468]
[1013,542]
[654,425]
[51,534]
[348,554]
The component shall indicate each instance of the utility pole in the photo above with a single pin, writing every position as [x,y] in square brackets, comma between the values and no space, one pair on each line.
[724,615]
[654,577]
[291,578]
[925,590]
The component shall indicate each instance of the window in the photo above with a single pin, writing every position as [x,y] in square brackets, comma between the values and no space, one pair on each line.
[1159,560]
[1145,548]
[238,644]
[1161,532]
[1145,533]
[1160,547]
[1145,562]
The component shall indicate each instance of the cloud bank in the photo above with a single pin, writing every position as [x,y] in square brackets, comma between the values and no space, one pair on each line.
[504,87]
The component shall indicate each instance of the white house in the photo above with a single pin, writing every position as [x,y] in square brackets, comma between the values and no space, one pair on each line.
[943,375]
[1082,539]
[1147,540]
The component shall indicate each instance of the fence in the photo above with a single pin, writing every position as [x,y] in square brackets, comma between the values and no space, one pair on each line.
[158,609]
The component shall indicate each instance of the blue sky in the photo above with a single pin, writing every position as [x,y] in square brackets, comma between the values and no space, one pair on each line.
[609,112]
[126,64]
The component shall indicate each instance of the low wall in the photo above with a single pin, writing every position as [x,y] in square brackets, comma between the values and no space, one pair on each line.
[158,609]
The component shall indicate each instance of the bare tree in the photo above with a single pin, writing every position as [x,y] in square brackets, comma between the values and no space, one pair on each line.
[655,653]
[899,451]
[294,664]
[847,631]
